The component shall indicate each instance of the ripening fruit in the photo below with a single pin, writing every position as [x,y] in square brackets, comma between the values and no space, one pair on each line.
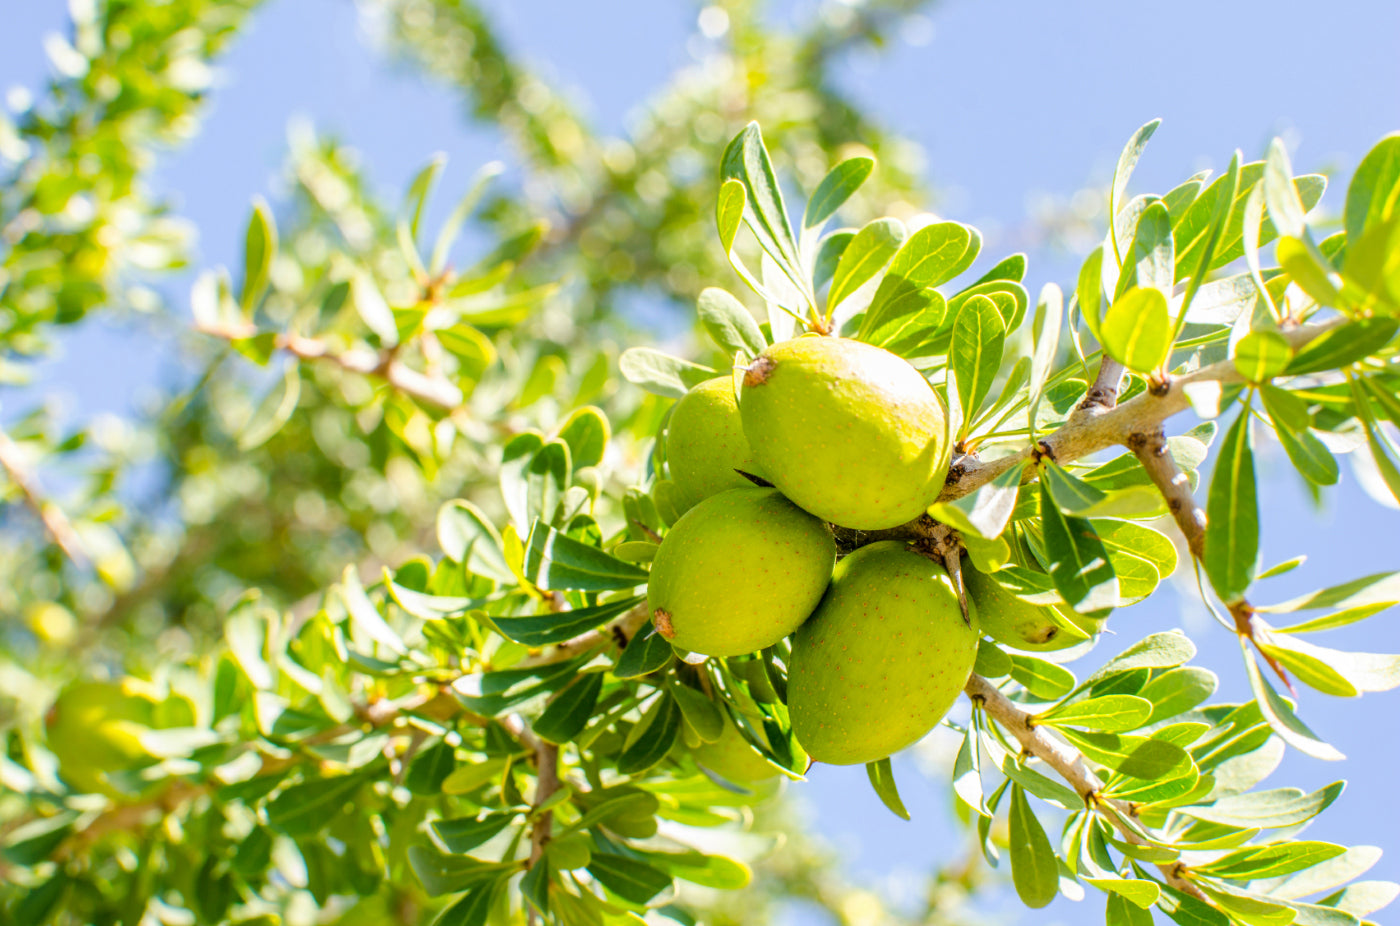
[850,432]
[738,572]
[705,444]
[732,758]
[95,728]
[881,660]
[1015,621]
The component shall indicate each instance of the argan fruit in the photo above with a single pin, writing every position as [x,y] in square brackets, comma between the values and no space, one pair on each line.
[850,432]
[738,572]
[95,728]
[732,758]
[881,660]
[705,444]
[1019,623]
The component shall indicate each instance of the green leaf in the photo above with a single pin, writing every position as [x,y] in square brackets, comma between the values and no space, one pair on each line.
[1308,454]
[1109,714]
[1127,160]
[661,374]
[1045,680]
[259,249]
[829,252]
[430,769]
[979,336]
[836,187]
[651,738]
[546,480]
[1045,337]
[1150,260]
[1364,897]
[985,512]
[932,255]
[33,842]
[647,652]
[1285,207]
[1088,292]
[308,807]
[882,780]
[1304,263]
[372,308]
[544,629]
[1365,671]
[468,537]
[1122,912]
[1047,789]
[632,880]
[447,874]
[1232,515]
[1072,495]
[1310,670]
[460,835]
[1270,861]
[1079,563]
[1381,588]
[730,325]
[867,254]
[1341,347]
[967,771]
[586,432]
[700,713]
[273,412]
[569,711]
[1158,651]
[557,562]
[1280,714]
[1137,331]
[746,160]
[1034,869]
[1262,355]
[365,615]
[1179,690]
[1372,196]
[1141,894]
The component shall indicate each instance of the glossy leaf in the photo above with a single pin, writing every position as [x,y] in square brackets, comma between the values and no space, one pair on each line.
[1034,869]
[1079,564]
[882,780]
[867,254]
[660,373]
[836,187]
[558,562]
[979,335]
[1136,330]
[1232,515]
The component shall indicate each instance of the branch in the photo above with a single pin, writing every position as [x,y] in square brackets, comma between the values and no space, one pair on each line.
[1152,452]
[1095,427]
[620,631]
[50,515]
[546,783]
[1104,391]
[383,363]
[1070,765]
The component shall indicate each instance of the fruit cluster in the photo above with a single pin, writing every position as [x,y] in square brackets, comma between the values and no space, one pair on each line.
[851,436]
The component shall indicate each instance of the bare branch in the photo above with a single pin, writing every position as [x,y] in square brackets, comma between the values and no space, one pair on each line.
[50,515]
[1070,765]
[546,783]
[1151,450]
[383,363]
[1104,391]
[1094,428]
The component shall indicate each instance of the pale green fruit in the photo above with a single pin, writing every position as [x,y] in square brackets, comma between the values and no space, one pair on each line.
[732,758]
[738,572]
[882,659]
[1018,623]
[850,432]
[705,444]
[95,728]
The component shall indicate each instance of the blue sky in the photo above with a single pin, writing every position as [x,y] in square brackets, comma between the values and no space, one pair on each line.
[1010,100]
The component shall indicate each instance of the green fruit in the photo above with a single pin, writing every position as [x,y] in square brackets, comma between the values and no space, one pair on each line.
[738,572]
[851,433]
[95,728]
[882,659]
[732,758]
[705,444]
[1018,623]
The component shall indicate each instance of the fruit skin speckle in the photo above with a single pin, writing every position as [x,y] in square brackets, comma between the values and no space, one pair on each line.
[881,660]
[740,571]
[850,432]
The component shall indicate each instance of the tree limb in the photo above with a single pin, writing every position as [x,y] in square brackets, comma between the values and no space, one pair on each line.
[1070,765]
[59,528]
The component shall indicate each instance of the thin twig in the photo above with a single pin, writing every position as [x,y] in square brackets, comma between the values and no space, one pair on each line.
[1152,452]
[1070,765]
[49,514]
[546,783]
[1094,428]
[1104,391]
[384,363]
